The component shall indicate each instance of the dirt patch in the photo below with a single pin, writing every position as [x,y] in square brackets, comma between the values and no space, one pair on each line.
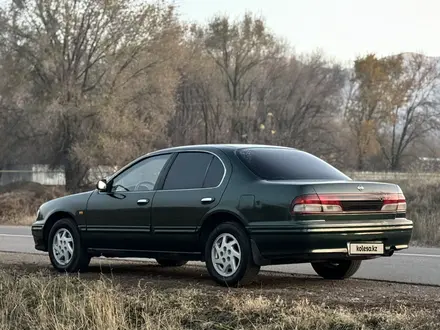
[19,201]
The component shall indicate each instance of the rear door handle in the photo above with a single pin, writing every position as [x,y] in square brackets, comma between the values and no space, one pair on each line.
[207,200]
[143,201]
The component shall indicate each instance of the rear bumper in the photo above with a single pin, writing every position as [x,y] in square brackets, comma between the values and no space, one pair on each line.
[316,241]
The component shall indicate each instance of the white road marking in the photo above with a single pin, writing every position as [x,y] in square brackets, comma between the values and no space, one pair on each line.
[15,235]
[418,255]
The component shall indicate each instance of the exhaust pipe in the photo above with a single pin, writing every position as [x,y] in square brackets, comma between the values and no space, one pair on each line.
[391,251]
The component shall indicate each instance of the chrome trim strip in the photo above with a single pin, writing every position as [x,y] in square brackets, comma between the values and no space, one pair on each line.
[324,230]
[387,223]
[369,233]
[355,230]
[338,250]
[305,222]
[345,250]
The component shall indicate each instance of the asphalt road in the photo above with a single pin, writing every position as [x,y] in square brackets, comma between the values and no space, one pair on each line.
[414,265]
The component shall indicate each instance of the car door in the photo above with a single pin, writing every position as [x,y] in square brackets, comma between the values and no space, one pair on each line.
[192,187]
[121,217]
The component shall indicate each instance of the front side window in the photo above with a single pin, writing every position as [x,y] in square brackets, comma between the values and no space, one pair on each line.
[188,171]
[141,176]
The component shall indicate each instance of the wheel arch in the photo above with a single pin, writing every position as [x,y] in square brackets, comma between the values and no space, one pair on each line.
[213,219]
[52,219]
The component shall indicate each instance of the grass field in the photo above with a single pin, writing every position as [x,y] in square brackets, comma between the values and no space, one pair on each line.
[19,203]
[43,301]
[423,204]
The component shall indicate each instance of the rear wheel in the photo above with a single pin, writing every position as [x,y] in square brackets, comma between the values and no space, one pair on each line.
[171,262]
[66,251]
[228,256]
[336,270]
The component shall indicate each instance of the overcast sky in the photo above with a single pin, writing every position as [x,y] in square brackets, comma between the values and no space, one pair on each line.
[341,28]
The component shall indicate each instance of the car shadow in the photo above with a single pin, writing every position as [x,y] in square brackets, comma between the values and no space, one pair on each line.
[189,275]
[130,274]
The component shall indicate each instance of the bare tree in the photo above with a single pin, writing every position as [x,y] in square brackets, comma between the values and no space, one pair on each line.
[373,92]
[419,114]
[90,62]
[238,49]
[202,102]
[297,98]
[19,122]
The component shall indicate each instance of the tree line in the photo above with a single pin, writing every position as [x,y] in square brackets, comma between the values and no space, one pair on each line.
[100,82]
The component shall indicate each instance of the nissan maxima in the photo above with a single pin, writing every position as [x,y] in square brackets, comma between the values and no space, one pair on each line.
[234,207]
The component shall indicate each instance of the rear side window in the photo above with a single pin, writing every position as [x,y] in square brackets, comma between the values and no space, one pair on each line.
[288,164]
[215,174]
[188,171]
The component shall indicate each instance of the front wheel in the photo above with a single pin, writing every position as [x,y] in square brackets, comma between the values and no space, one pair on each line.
[228,256]
[66,250]
[336,270]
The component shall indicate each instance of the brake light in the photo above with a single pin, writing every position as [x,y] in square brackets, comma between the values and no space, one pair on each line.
[315,204]
[327,203]
[394,203]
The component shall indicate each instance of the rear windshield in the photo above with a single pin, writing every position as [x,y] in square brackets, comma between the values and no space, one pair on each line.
[288,164]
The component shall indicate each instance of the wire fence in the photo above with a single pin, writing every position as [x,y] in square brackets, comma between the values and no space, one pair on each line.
[41,174]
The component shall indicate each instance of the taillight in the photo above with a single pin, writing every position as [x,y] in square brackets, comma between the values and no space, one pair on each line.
[315,204]
[327,203]
[394,203]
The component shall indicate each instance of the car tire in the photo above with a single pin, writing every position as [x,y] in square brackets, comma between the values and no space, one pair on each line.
[171,262]
[67,252]
[221,259]
[337,270]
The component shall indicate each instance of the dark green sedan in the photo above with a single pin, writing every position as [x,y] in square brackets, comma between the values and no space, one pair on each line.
[235,207]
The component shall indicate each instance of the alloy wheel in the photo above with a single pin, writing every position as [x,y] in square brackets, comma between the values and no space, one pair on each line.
[63,246]
[226,255]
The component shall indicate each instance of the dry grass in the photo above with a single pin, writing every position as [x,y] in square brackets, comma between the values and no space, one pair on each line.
[19,202]
[43,302]
[423,199]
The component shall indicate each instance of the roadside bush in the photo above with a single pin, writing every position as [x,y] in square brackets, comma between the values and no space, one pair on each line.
[19,201]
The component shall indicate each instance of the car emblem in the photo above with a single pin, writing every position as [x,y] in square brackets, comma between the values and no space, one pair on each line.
[360,188]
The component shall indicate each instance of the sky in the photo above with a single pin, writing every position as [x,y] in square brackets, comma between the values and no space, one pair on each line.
[342,29]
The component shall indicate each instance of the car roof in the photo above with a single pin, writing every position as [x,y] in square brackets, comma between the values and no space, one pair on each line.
[198,147]
[215,146]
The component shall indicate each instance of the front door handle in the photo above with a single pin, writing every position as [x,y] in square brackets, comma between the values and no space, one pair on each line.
[143,201]
[207,200]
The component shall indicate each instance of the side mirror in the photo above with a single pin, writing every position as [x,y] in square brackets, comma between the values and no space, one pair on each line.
[102,185]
